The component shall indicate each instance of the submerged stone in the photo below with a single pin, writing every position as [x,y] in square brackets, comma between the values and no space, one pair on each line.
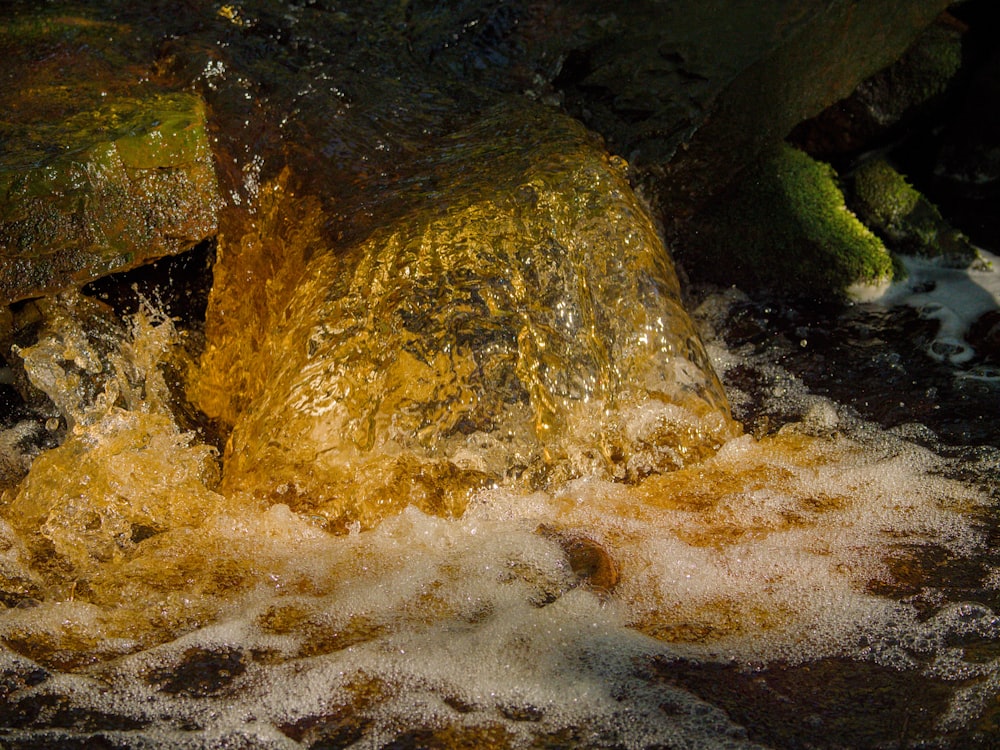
[521,322]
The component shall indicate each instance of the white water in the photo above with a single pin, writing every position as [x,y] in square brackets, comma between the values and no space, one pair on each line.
[477,628]
[955,297]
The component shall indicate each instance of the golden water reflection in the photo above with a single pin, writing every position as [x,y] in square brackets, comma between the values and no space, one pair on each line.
[480,469]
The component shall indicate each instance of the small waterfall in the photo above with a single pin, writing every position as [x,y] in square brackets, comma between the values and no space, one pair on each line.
[482,489]
[520,324]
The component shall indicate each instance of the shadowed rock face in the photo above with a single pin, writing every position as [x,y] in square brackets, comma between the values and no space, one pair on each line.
[343,96]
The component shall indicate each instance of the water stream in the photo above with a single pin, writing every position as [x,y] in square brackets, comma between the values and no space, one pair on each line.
[451,464]
[534,525]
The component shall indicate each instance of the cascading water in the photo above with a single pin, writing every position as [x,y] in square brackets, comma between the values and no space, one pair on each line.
[501,331]
[482,489]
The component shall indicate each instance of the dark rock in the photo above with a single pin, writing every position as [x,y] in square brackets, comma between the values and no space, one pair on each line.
[201,672]
[889,99]
[129,183]
[821,53]
[971,147]
[984,335]
[590,562]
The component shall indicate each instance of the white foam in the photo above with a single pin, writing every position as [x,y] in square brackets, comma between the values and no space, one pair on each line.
[955,297]
[769,552]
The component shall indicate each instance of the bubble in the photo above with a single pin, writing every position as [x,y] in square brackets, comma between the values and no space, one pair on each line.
[139,598]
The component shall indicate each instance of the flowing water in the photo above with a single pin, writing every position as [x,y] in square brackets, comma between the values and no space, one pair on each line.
[480,485]
[148,610]
[820,580]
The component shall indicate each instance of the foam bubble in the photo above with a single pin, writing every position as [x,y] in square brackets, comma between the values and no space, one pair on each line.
[955,297]
[234,621]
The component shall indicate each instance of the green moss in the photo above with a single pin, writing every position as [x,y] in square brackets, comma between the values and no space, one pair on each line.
[907,222]
[885,195]
[808,191]
[785,225]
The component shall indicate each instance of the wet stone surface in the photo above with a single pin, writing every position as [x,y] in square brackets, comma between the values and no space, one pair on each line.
[874,359]
[100,170]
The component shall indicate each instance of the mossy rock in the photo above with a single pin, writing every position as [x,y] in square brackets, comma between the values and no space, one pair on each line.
[785,226]
[903,217]
[104,190]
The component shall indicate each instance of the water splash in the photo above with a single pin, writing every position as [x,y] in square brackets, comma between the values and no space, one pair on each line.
[542,608]
[148,597]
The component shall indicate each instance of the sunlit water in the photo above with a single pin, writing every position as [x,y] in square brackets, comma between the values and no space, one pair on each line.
[188,618]
[579,555]
[256,624]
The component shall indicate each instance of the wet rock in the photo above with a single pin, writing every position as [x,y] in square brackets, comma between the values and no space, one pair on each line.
[101,169]
[785,227]
[984,335]
[347,100]
[117,186]
[654,77]
[344,98]
[954,156]
[903,217]
[891,98]
[591,563]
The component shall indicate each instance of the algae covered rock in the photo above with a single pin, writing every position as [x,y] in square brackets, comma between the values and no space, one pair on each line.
[521,322]
[785,226]
[104,190]
[903,217]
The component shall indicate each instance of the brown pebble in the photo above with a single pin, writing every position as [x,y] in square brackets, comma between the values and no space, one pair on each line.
[590,561]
